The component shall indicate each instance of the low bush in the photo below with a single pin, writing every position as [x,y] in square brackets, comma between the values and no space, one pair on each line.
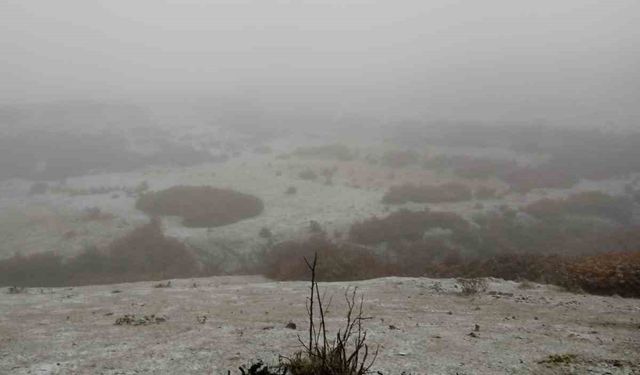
[592,203]
[610,273]
[404,225]
[201,206]
[469,287]
[525,179]
[444,193]
[545,269]
[145,253]
[284,261]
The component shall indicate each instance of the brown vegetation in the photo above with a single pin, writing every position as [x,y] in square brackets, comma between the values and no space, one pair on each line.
[145,253]
[201,206]
[611,273]
[403,225]
[284,261]
[525,179]
[593,203]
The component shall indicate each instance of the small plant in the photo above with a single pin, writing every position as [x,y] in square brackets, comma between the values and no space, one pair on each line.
[131,320]
[347,354]
[259,368]
[559,359]
[472,286]
[163,285]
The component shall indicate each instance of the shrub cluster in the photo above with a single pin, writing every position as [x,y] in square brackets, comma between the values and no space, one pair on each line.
[201,206]
[145,253]
[404,225]
[504,244]
[593,203]
[284,261]
[448,192]
[611,273]
[525,179]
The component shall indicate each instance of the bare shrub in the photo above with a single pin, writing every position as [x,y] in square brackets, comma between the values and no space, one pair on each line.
[347,354]
[201,206]
[472,286]
[132,320]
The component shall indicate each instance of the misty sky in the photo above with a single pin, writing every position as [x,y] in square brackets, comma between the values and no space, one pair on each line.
[558,60]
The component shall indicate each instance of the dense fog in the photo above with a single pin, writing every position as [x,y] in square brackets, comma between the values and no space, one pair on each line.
[319,187]
[570,62]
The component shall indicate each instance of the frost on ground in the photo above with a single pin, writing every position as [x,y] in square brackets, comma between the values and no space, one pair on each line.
[211,325]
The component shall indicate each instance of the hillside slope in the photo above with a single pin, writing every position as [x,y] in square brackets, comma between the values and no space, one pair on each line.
[423,326]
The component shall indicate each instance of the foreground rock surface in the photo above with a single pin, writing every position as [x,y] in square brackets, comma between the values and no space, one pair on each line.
[211,325]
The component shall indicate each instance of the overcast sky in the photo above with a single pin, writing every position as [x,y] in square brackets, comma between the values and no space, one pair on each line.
[560,60]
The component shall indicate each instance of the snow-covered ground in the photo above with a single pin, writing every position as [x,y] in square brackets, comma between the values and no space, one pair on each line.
[421,326]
